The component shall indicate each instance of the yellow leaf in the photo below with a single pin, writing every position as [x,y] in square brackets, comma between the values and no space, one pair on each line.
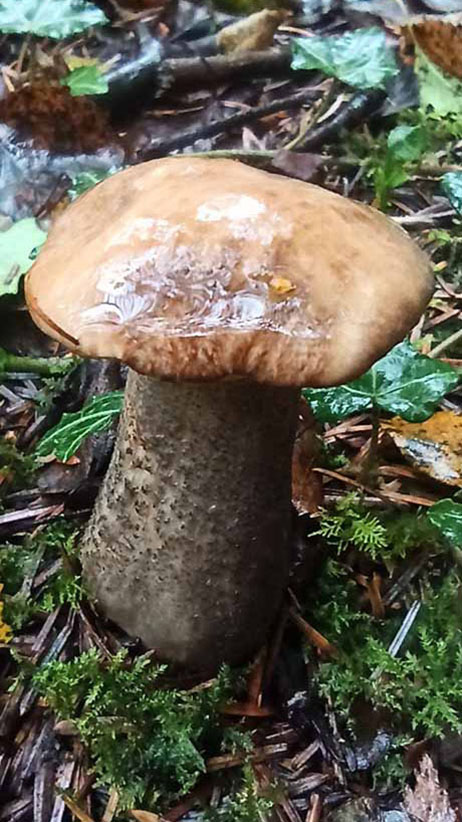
[5,630]
[75,62]
[433,447]
[281,285]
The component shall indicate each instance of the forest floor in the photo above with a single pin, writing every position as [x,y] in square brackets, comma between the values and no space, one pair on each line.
[353,710]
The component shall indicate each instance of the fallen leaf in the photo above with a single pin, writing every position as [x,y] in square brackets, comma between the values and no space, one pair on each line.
[428,801]
[433,446]
[253,33]
[301,166]
[441,40]
[281,285]
[307,486]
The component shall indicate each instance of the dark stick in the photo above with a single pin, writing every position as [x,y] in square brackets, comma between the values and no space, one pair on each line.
[151,74]
[158,147]
[199,71]
[360,106]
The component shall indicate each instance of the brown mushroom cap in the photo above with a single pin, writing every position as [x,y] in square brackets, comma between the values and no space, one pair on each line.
[190,268]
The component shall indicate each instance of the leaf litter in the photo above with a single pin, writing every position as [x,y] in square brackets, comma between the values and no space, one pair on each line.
[365,662]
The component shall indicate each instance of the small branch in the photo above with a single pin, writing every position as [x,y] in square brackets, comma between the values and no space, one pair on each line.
[447,343]
[158,147]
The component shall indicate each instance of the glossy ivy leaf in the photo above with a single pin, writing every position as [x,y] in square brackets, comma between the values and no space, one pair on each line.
[407,143]
[447,516]
[86,80]
[452,187]
[440,93]
[18,249]
[403,382]
[360,58]
[49,18]
[97,415]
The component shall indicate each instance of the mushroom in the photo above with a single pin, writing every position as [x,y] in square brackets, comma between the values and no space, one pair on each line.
[224,289]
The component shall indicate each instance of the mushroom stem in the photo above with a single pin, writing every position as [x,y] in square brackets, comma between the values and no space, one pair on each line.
[188,546]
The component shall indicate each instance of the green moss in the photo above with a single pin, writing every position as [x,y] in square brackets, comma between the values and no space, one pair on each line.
[16,468]
[244,804]
[143,739]
[418,692]
[382,536]
[19,562]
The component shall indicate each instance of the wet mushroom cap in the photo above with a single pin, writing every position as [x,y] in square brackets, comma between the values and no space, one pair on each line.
[192,268]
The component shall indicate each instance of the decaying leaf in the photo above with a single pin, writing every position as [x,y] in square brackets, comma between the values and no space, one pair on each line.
[307,489]
[428,802]
[252,33]
[440,39]
[433,446]
[302,166]
[281,285]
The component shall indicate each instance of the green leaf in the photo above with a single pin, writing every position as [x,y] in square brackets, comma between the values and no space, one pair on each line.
[85,180]
[360,58]
[452,187]
[49,18]
[17,252]
[439,92]
[97,415]
[404,382]
[407,143]
[86,80]
[447,516]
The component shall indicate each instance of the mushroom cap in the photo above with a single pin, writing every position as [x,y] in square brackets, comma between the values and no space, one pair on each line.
[192,269]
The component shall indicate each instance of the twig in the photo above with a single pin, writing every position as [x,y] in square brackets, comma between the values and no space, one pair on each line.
[160,146]
[197,72]
[360,105]
[447,343]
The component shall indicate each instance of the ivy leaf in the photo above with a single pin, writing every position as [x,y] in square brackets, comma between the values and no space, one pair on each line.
[86,80]
[17,252]
[439,92]
[49,18]
[403,382]
[447,516]
[407,143]
[97,415]
[360,58]
[452,186]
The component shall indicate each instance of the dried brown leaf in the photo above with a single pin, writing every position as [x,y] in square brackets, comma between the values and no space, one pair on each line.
[253,33]
[440,39]
[428,802]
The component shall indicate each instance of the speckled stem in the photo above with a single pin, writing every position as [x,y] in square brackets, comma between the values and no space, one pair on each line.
[188,546]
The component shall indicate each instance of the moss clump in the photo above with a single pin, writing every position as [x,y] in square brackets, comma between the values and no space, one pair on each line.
[19,562]
[144,740]
[417,692]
